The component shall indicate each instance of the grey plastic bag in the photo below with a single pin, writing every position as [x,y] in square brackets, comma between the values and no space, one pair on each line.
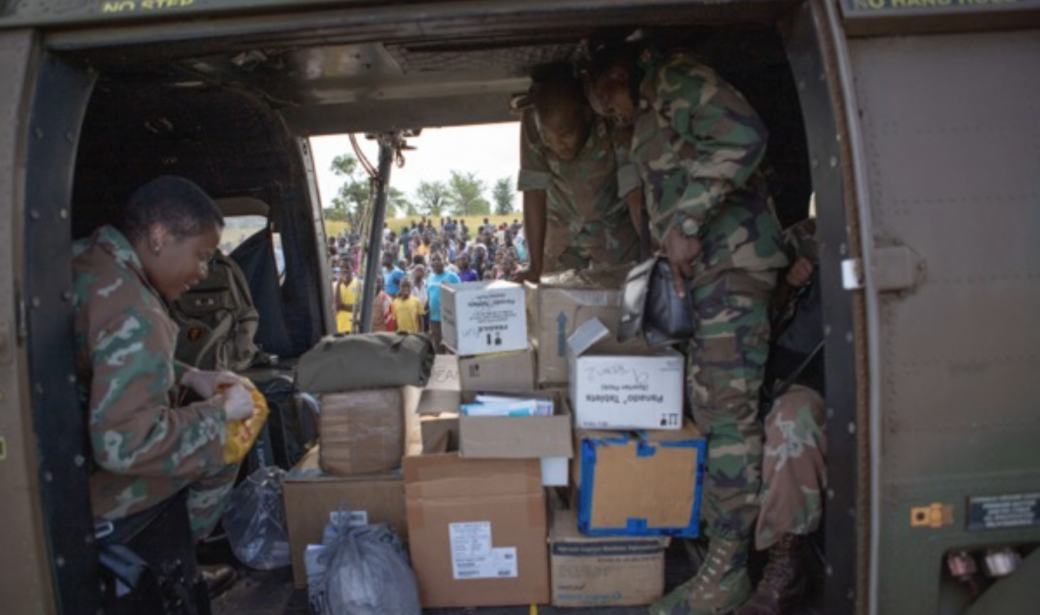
[255,520]
[366,572]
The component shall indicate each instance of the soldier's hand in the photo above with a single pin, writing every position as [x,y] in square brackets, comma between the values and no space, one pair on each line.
[208,384]
[238,403]
[681,252]
[524,275]
[800,272]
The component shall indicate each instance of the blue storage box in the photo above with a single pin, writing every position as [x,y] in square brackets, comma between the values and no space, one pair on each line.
[641,483]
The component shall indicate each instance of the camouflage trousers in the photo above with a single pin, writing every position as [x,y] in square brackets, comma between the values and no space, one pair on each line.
[726,364]
[207,499]
[794,470]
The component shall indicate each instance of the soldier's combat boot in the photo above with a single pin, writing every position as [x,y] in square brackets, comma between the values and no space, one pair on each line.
[720,587]
[784,583]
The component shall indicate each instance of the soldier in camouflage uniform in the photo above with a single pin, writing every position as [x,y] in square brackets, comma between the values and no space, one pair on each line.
[147,446]
[569,174]
[698,145]
[794,469]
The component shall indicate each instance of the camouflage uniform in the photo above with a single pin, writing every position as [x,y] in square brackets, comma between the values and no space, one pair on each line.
[697,145]
[794,471]
[145,447]
[588,220]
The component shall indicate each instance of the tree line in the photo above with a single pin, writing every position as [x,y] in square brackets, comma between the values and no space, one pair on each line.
[462,194]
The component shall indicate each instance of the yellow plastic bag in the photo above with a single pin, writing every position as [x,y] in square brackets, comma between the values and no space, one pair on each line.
[241,435]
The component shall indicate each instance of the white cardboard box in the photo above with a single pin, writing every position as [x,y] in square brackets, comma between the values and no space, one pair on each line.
[483,317]
[630,391]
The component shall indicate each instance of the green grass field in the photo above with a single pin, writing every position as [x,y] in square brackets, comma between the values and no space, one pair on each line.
[335,228]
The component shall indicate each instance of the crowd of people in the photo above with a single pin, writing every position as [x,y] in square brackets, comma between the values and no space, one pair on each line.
[415,262]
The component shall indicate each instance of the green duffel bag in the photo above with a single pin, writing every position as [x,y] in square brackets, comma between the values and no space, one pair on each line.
[356,361]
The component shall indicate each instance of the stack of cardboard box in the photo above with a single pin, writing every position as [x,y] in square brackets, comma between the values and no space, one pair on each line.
[637,466]
[355,470]
[475,498]
[482,527]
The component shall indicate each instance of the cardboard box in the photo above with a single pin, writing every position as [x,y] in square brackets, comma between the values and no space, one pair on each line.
[477,530]
[590,572]
[311,496]
[443,392]
[548,438]
[483,317]
[512,371]
[561,303]
[362,431]
[640,483]
[629,391]
[530,437]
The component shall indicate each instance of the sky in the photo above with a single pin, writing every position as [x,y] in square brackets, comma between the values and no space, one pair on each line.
[492,151]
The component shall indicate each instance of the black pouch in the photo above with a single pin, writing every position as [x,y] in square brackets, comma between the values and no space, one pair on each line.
[651,307]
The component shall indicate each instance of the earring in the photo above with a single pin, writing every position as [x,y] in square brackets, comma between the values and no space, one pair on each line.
[156,248]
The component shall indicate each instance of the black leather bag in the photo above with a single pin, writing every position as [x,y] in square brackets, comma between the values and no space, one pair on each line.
[650,306]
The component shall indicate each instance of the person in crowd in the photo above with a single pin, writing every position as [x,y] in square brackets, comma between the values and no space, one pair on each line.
[576,210]
[508,268]
[345,293]
[392,274]
[408,311]
[480,259]
[425,246]
[466,273]
[419,291]
[697,145]
[436,280]
[146,444]
[382,309]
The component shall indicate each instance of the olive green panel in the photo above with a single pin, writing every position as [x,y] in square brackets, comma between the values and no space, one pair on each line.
[953,161]
[25,580]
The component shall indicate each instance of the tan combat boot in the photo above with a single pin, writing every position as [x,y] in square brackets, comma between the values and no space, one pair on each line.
[784,583]
[720,587]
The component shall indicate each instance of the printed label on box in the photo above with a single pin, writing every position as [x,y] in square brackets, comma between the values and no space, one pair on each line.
[472,556]
[356,518]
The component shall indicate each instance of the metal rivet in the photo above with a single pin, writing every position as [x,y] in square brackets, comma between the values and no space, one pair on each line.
[38,132]
[35,215]
[830,413]
[852,428]
[823,77]
[830,494]
[826,330]
[830,571]
[833,161]
[36,302]
[801,84]
[47,476]
[79,461]
[38,388]
[72,378]
[60,561]
[848,337]
[66,296]
[63,213]
[843,249]
[70,137]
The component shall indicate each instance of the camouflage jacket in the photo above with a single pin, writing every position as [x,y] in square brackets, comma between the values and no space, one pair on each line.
[584,197]
[698,145]
[145,448]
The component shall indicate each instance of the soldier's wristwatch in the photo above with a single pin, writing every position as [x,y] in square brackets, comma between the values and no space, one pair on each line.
[689,228]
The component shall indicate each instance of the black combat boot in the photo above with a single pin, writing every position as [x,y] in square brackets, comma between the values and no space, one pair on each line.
[784,582]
